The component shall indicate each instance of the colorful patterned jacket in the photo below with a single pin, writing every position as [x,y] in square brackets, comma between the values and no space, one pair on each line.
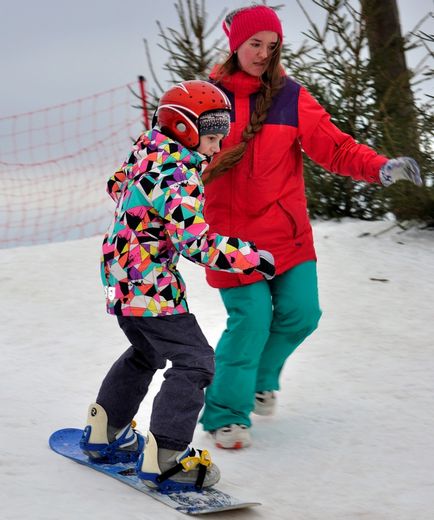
[159,215]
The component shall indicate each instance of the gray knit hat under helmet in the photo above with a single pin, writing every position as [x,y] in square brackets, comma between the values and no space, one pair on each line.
[214,122]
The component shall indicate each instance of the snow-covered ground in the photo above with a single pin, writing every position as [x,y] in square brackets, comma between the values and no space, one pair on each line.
[353,435]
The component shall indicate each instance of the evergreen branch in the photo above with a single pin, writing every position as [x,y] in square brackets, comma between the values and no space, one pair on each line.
[148,56]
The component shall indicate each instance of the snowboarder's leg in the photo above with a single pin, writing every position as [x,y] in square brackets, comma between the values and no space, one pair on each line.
[168,462]
[177,405]
[229,399]
[127,382]
[108,434]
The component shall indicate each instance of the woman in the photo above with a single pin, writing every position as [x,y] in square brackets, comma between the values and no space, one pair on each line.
[255,190]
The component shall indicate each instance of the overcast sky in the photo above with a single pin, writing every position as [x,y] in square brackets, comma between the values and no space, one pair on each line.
[53,51]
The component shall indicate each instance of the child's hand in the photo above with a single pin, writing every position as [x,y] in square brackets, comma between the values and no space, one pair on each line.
[401,168]
[266,265]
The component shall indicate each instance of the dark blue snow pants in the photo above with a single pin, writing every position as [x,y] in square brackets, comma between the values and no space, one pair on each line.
[176,407]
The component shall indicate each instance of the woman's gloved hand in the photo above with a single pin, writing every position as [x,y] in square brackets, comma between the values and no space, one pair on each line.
[401,168]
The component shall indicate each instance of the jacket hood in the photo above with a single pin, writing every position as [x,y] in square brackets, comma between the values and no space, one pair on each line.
[157,148]
[163,150]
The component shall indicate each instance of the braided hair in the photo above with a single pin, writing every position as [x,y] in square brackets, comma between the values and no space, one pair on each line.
[271,83]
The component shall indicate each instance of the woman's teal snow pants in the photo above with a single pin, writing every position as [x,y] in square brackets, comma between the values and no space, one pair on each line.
[266,322]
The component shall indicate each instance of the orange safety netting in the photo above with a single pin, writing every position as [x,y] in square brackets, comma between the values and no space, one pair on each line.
[54,165]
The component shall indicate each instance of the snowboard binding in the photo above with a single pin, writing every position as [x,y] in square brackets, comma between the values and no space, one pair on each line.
[107,445]
[170,470]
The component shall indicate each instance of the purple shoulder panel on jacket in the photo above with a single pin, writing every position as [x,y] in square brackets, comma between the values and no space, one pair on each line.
[284,109]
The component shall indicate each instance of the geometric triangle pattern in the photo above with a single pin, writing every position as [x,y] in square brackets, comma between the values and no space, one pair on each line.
[159,199]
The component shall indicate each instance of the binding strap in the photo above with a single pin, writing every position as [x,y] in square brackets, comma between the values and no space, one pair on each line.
[192,460]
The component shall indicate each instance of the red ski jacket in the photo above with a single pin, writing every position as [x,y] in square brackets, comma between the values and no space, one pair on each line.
[262,199]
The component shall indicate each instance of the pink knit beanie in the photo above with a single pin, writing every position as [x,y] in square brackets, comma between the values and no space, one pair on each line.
[242,24]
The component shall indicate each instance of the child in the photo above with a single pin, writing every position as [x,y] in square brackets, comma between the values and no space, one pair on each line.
[256,192]
[159,215]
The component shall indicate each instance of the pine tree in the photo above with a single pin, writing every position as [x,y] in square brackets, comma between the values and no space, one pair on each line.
[190,53]
[337,69]
[396,111]
[335,65]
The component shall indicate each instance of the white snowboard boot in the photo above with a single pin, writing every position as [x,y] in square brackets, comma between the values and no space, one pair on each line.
[233,436]
[103,443]
[265,403]
[171,470]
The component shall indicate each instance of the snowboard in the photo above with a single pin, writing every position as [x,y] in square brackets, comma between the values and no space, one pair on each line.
[210,500]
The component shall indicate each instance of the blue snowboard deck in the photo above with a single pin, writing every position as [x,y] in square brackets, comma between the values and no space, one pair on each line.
[210,500]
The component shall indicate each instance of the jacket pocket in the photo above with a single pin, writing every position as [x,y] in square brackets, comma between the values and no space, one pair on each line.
[296,214]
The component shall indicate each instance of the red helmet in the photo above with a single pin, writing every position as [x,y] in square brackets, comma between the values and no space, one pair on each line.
[181,106]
